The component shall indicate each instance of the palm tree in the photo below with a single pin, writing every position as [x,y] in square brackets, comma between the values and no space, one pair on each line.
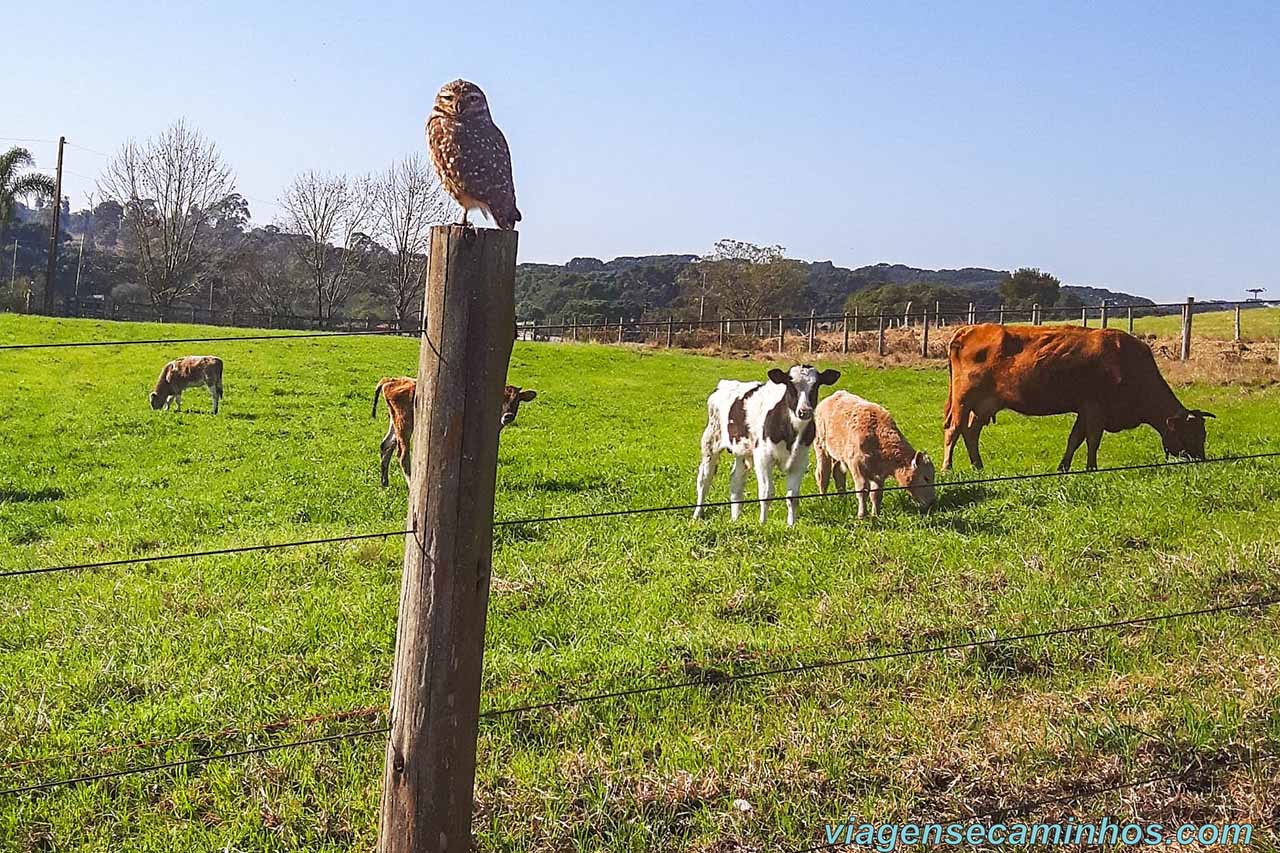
[13,185]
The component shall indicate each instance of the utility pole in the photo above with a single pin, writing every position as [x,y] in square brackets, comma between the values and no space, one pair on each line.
[53,233]
[13,272]
[79,267]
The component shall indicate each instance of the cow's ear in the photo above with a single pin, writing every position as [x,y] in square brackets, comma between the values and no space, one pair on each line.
[921,458]
[828,377]
[527,394]
[779,376]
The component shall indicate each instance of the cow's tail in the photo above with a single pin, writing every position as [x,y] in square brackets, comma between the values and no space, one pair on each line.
[951,414]
[377,392]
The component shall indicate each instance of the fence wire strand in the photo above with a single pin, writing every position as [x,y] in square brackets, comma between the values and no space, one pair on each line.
[285,336]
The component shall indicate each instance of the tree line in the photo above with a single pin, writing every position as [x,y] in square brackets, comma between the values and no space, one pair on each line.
[167,227]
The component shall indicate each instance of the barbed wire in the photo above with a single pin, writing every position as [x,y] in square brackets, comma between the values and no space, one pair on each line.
[1031,805]
[711,681]
[887,487]
[284,336]
[718,679]
[637,511]
[189,762]
[238,549]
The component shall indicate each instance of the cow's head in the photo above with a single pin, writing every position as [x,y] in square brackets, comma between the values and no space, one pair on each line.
[158,400]
[920,479]
[512,397]
[1183,435]
[802,382]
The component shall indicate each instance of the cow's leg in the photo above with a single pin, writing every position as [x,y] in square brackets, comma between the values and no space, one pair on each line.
[950,435]
[402,449]
[1073,443]
[764,483]
[215,393]
[177,401]
[1092,435]
[737,485]
[795,479]
[706,473]
[822,473]
[838,471]
[877,493]
[860,488]
[971,428]
[387,448]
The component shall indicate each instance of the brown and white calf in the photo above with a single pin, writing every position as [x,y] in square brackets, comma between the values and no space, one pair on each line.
[399,394]
[182,373]
[769,423]
[858,437]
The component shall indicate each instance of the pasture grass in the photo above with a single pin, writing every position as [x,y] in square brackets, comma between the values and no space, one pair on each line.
[183,649]
[1256,324]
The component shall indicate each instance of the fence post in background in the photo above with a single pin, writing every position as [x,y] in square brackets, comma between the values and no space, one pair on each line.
[812,326]
[1035,314]
[193,315]
[720,331]
[855,319]
[845,346]
[906,315]
[1084,317]
[1130,311]
[429,775]
[1187,311]
[924,334]
[1104,314]
[670,328]
[880,333]
[620,328]
[1002,314]
[1237,336]
[782,334]
[937,314]
[533,332]
[973,317]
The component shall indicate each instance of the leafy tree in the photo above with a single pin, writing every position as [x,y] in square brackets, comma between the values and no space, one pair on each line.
[1028,286]
[15,184]
[747,280]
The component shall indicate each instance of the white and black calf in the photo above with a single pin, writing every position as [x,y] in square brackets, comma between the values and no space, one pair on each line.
[770,424]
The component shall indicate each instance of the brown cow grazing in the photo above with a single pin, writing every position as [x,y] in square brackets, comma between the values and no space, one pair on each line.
[858,437]
[1107,378]
[182,373]
[399,394]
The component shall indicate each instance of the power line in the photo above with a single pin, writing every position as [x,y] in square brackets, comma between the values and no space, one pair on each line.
[155,341]
[717,680]
[240,549]
[887,488]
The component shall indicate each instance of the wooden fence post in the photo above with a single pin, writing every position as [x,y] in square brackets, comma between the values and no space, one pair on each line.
[620,330]
[670,328]
[1002,314]
[855,319]
[1084,317]
[721,325]
[812,326]
[1103,314]
[1237,337]
[782,334]
[973,317]
[845,346]
[1187,311]
[937,314]
[575,328]
[906,315]
[428,779]
[880,331]
[924,334]
[1130,309]
[1035,314]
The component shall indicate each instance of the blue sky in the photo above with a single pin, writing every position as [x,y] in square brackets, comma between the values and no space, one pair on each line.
[1136,148]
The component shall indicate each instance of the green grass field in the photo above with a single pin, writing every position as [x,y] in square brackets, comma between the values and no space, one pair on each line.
[1256,324]
[183,649]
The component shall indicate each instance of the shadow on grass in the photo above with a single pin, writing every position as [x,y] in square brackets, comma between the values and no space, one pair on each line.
[242,416]
[9,494]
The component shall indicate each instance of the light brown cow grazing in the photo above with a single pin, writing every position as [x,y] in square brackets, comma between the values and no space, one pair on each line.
[182,373]
[859,437]
[399,394]
[1107,378]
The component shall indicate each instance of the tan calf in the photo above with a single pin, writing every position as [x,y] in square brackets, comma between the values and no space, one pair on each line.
[182,373]
[859,437]
[399,394]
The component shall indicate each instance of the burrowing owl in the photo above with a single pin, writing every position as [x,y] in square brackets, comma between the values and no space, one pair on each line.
[470,153]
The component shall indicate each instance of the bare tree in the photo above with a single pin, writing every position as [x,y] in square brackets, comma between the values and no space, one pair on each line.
[263,275]
[172,188]
[407,201]
[331,212]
